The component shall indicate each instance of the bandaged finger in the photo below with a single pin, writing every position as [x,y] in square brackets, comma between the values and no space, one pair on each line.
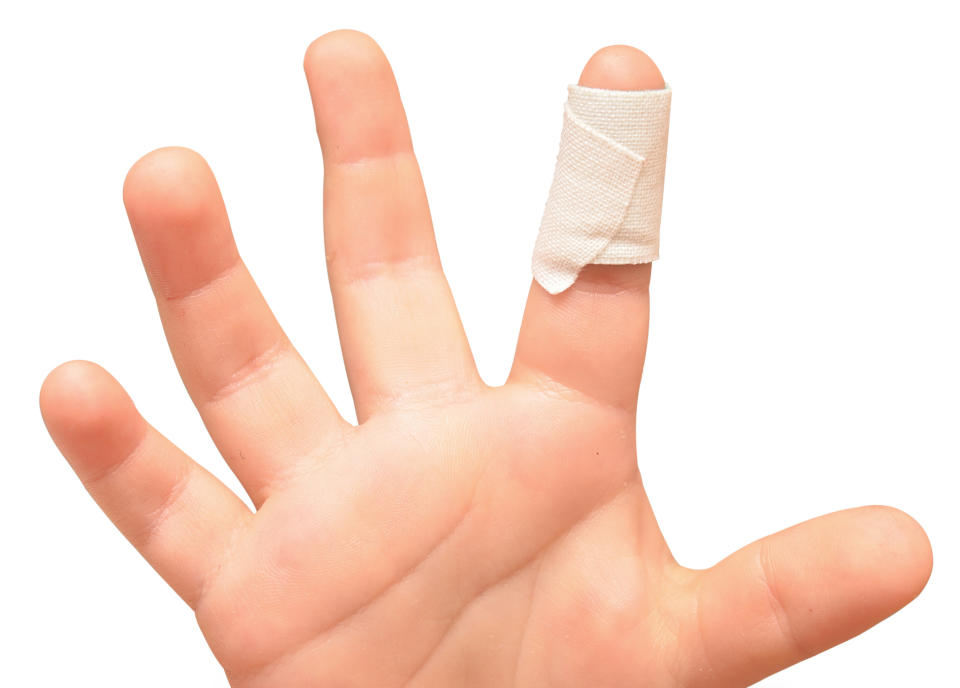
[605,200]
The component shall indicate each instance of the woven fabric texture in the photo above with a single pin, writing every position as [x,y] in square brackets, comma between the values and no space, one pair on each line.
[605,200]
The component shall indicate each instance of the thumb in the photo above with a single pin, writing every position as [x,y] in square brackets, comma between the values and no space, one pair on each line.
[796,593]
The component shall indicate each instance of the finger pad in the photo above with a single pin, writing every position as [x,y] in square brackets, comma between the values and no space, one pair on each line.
[89,416]
[355,97]
[178,219]
[893,550]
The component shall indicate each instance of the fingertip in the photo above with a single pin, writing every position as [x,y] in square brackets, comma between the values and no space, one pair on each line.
[173,181]
[88,414]
[621,68]
[179,220]
[341,46]
[76,386]
[356,102]
[904,550]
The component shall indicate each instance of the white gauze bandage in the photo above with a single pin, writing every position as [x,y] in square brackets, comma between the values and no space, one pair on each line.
[607,191]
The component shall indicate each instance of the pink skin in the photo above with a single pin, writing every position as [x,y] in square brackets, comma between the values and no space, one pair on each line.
[461,534]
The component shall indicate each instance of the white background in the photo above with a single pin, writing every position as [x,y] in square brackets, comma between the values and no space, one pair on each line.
[804,340]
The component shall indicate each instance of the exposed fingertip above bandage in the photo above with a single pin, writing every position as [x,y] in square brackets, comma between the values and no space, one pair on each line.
[605,201]
[621,68]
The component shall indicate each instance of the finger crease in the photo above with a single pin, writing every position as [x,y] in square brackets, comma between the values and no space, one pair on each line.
[779,611]
[207,285]
[371,270]
[130,457]
[254,368]
[159,516]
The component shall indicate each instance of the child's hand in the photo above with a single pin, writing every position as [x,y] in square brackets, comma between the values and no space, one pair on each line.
[461,535]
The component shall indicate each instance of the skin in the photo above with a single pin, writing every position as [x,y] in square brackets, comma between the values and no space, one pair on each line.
[460,534]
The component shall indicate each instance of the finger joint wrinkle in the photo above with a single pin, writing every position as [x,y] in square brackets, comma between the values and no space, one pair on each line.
[249,371]
[779,611]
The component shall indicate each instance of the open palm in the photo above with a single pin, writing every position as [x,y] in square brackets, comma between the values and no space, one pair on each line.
[460,534]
